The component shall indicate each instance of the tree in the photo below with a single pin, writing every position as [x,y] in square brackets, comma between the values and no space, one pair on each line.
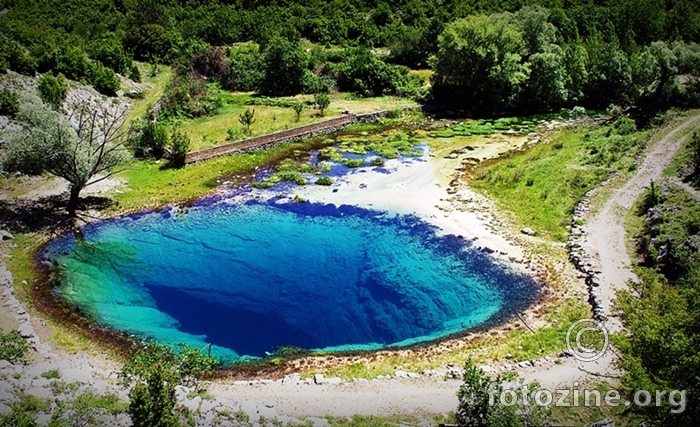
[284,63]
[179,147]
[9,102]
[53,90]
[481,401]
[153,373]
[75,148]
[247,118]
[478,63]
[298,107]
[323,101]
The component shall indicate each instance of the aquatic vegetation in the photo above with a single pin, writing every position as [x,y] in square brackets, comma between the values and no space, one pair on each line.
[487,127]
[324,180]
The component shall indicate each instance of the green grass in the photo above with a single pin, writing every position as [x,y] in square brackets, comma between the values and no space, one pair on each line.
[151,185]
[157,88]
[210,131]
[542,184]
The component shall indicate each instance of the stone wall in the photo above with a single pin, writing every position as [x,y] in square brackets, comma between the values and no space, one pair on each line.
[273,139]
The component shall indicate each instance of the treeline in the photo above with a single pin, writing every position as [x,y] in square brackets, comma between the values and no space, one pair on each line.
[280,68]
[522,61]
[606,49]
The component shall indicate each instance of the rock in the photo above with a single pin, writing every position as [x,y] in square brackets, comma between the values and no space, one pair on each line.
[401,374]
[318,379]
[4,409]
[4,364]
[5,235]
[26,330]
[333,380]
[207,405]
[318,422]
[292,378]
[193,405]
[607,422]
[267,412]
[250,409]
[528,231]
[43,419]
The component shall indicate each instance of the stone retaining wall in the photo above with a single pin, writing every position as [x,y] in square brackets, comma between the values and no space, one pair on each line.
[289,135]
[273,139]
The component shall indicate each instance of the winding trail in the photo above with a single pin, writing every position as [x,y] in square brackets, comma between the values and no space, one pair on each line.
[606,238]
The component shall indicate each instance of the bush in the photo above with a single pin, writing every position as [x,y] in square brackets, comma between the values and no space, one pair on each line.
[53,90]
[9,103]
[153,373]
[480,402]
[179,147]
[104,80]
[135,73]
[13,348]
[152,141]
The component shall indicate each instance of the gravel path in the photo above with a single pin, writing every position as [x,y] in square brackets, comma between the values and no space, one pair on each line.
[606,238]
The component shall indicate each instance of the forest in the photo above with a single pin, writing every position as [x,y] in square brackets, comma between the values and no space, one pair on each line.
[486,56]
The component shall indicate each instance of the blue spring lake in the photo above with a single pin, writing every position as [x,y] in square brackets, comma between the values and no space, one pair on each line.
[250,277]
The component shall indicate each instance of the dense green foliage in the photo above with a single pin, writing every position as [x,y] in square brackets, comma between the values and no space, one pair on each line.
[179,147]
[9,102]
[662,312]
[528,57]
[52,90]
[522,61]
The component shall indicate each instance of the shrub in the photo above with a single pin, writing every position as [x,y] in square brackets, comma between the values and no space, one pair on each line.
[153,373]
[9,103]
[13,348]
[247,118]
[179,147]
[135,73]
[153,141]
[298,107]
[480,402]
[104,80]
[324,180]
[53,90]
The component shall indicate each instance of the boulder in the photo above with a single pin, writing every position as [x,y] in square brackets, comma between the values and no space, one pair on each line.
[528,231]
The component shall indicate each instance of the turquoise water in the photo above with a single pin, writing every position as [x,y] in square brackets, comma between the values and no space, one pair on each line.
[251,277]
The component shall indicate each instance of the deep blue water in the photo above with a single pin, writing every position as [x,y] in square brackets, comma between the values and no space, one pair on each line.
[249,278]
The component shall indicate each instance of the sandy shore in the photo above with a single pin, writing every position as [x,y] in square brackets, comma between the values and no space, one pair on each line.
[416,186]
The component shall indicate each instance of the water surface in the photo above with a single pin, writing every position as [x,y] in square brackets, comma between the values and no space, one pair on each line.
[251,277]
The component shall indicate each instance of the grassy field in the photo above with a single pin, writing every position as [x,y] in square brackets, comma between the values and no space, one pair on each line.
[542,184]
